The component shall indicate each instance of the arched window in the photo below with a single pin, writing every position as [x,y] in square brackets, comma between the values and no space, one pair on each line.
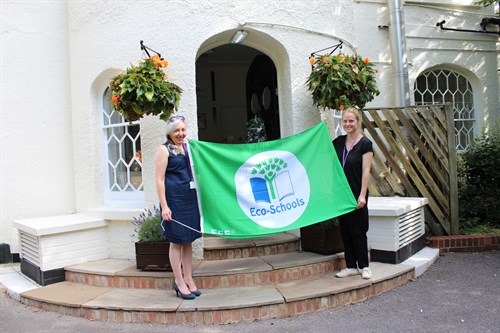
[441,86]
[123,159]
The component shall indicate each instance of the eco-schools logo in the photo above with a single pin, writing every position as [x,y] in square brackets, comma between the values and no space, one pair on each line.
[272,188]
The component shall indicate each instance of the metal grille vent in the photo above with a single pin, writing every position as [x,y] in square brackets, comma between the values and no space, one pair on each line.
[410,227]
[30,248]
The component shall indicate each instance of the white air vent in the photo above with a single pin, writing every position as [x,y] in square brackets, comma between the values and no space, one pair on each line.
[410,227]
[30,248]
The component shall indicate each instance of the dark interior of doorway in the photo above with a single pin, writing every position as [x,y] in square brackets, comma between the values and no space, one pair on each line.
[235,83]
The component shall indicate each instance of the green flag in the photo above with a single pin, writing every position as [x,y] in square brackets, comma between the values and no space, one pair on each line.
[257,189]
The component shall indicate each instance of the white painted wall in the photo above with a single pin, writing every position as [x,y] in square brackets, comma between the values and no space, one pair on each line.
[36,142]
[51,140]
[475,56]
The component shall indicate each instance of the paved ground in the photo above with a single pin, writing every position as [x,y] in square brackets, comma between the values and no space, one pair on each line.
[459,293]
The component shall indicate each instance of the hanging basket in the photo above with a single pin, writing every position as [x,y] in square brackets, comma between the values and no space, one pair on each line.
[342,81]
[144,90]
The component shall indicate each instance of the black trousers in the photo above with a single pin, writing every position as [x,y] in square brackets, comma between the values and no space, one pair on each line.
[353,227]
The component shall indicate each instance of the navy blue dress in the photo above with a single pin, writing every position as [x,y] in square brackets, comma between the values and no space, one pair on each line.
[181,200]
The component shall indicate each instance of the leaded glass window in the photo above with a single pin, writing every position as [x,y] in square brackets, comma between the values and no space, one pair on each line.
[444,86]
[123,172]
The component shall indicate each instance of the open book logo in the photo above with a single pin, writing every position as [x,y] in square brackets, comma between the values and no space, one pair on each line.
[272,188]
[272,181]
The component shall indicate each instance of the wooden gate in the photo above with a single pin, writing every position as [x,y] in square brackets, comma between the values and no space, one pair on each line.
[415,155]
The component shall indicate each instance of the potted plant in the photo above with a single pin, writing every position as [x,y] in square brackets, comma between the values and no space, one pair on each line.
[323,237]
[256,130]
[143,90]
[151,249]
[341,81]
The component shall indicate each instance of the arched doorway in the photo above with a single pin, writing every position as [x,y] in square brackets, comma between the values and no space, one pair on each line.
[234,83]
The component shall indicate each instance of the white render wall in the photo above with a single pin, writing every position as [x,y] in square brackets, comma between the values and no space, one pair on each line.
[37,175]
[473,55]
[105,36]
[58,57]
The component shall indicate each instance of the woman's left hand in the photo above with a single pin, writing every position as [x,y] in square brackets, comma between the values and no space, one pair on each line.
[361,202]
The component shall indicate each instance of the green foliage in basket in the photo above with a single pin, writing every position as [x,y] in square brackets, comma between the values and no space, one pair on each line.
[144,90]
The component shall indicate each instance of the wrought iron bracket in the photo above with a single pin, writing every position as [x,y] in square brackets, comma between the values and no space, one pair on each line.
[145,49]
[484,23]
[334,48]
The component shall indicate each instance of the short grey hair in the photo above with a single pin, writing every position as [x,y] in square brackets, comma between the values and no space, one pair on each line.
[172,125]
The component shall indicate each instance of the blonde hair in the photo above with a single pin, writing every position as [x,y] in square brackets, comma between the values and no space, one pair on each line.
[357,115]
[354,111]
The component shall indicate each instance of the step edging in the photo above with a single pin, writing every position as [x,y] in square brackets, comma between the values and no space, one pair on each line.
[226,273]
[230,315]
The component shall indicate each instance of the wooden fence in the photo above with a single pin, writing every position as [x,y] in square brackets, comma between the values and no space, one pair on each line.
[415,156]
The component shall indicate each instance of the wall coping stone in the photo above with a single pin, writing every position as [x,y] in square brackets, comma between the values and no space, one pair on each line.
[49,225]
[465,243]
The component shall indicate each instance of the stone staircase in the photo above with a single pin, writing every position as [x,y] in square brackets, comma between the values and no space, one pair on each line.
[241,280]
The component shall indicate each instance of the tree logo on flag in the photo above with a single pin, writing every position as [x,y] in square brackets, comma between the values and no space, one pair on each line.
[270,170]
[272,188]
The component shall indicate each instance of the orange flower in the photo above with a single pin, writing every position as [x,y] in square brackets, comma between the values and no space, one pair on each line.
[115,99]
[325,59]
[341,107]
[159,62]
[312,60]
[366,60]
[376,70]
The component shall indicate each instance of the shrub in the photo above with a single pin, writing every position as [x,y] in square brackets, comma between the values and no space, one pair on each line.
[148,226]
[479,181]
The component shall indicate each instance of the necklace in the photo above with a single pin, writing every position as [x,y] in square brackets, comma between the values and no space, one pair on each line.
[346,152]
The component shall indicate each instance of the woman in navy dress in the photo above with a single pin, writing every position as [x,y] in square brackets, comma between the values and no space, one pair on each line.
[178,203]
[355,153]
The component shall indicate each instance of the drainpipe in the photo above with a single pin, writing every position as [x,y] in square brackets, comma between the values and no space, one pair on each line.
[397,38]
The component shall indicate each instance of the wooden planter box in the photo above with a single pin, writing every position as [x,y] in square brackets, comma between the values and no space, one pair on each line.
[323,237]
[152,256]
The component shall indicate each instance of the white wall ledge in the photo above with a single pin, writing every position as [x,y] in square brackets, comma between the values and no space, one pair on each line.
[49,225]
[393,206]
[115,213]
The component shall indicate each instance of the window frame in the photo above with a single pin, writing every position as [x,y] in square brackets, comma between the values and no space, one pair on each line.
[114,198]
[472,129]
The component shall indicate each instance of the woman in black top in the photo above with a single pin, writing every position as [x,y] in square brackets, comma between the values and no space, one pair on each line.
[355,153]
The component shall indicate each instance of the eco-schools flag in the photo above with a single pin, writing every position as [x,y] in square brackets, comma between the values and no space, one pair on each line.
[251,190]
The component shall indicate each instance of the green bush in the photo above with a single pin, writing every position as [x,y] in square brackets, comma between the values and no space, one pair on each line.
[479,182]
[148,226]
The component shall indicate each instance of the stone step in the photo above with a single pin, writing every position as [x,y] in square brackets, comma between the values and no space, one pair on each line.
[217,248]
[208,274]
[222,305]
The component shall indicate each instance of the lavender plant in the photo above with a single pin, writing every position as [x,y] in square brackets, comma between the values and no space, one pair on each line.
[147,226]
